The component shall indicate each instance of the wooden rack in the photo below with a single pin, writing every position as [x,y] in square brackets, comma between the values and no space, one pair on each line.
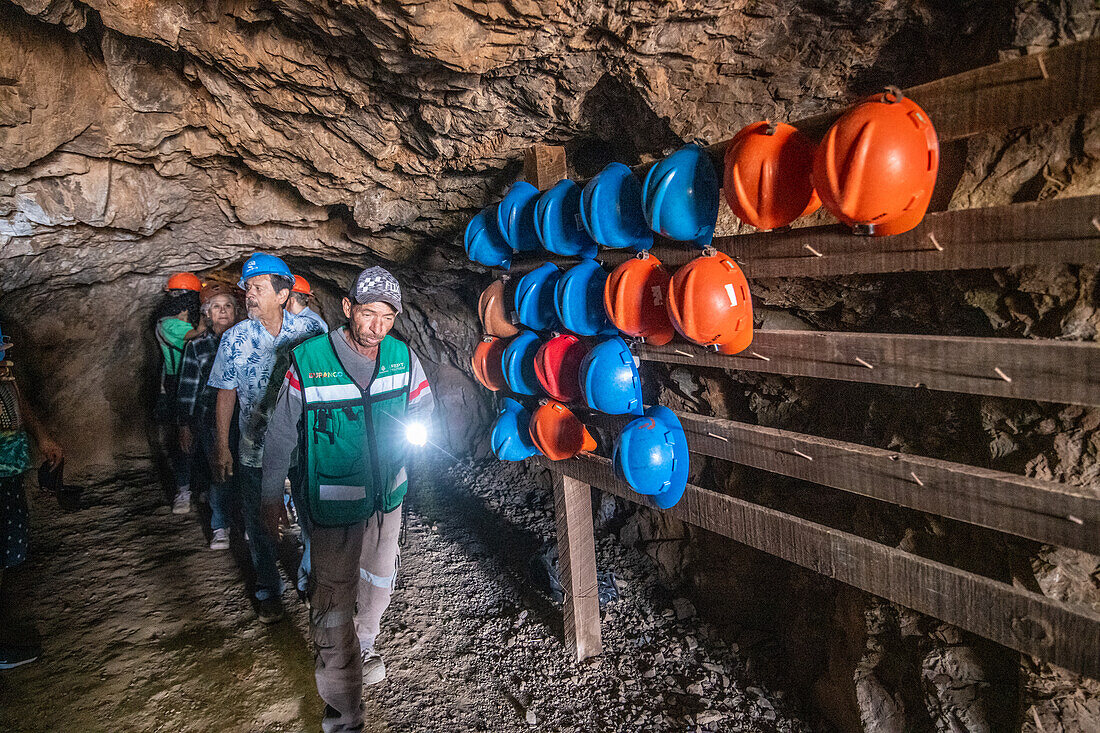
[1020,92]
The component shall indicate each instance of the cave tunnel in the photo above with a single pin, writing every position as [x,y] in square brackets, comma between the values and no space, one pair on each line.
[881,514]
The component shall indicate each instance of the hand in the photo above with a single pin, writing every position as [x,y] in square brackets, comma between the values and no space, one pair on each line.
[50,450]
[222,464]
[187,441]
[271,513]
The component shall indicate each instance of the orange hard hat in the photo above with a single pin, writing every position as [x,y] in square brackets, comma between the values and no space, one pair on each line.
[876,167]
[493,311]
[184,281]
[768,175]
[558,433]
[709,303]
[487,363]
[558,367]
[634,297]
[301,285]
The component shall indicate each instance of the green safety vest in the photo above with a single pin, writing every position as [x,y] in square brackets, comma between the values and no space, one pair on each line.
[351,438]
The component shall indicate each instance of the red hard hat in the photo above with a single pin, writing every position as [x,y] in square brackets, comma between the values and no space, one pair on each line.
[487,363]
[301,285]
[493,311]
[634,297]
[768,175]
[709,303]
[184,281]
[876,167]
[558,433]
[557,366]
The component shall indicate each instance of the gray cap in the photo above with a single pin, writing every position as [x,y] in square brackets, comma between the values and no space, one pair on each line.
[374,285]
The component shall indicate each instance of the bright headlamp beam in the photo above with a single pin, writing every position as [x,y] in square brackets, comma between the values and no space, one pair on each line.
[416,433]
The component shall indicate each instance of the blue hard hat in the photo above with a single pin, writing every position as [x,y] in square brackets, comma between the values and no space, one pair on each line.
[611,209]
[610,379]
[516,216]
[534,298]
[510,436]
[484,243]
[558,221]
[519,364]
[579,300]
[5,342]
[651,454]
[680,196]
[262,263]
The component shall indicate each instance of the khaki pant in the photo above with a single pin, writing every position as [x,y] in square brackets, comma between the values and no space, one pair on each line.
[351,579]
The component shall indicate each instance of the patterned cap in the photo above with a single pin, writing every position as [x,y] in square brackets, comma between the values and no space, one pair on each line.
[374,285]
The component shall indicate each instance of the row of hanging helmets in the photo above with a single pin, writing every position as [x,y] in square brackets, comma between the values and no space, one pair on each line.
[874,170]
[707,301]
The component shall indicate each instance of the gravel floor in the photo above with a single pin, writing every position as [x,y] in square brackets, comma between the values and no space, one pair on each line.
[146,630]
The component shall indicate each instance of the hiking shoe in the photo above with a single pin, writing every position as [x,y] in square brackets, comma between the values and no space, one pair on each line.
[14,655]
[270,610]
[374,670]
[220,540]
[182,504]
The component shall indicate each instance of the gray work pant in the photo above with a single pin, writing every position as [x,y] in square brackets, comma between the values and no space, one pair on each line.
[352,574]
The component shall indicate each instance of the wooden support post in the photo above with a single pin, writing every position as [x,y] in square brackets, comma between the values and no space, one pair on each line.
[544,165]
[577,564]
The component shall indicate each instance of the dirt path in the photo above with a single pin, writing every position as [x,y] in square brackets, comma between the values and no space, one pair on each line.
[146,630]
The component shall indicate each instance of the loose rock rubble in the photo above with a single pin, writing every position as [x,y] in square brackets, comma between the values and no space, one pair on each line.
[146,630]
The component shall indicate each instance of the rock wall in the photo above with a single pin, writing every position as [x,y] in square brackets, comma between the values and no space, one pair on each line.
[141,138]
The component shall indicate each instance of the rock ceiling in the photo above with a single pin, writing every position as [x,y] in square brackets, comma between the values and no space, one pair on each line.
[142,137]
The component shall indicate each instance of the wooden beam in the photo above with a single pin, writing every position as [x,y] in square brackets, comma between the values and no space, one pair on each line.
[544,165]
[1027,90]
[1040,510]
[1028,622]
[577,564]
[1044,511]
[1057,231]
[1033,369]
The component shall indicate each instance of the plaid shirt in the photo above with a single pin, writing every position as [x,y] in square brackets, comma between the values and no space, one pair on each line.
[194,398]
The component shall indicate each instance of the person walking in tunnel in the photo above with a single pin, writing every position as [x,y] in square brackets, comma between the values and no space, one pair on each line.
[249,355]
[298,303]
[18,423]
[176,317]
[351,403]
[196,400]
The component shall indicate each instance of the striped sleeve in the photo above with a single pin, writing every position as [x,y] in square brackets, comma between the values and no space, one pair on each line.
[421,400]
[294,383]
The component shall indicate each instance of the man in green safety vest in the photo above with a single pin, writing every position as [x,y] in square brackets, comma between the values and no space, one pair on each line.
[352,403]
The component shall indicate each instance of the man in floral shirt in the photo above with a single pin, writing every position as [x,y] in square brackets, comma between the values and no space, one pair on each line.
[248,355]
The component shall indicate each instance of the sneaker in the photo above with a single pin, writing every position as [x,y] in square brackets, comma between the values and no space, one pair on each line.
[220,541]
[14,655]
[182,504]
[270,610]
[374,669]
